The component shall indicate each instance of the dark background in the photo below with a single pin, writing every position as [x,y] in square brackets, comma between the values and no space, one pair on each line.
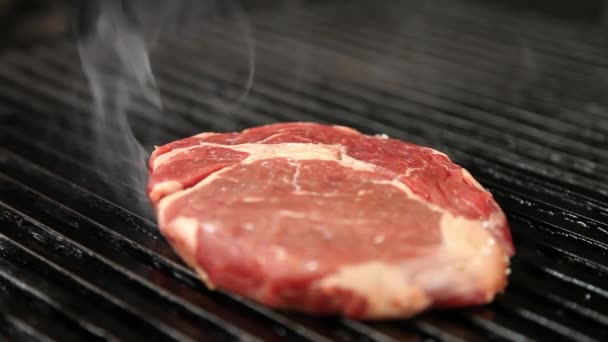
[24,21]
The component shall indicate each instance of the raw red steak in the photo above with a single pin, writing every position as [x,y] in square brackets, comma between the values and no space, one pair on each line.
[324,219]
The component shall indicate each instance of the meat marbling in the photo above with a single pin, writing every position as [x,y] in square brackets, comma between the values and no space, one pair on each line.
[324,219]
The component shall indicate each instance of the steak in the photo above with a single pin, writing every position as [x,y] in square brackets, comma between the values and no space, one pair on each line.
[326,220]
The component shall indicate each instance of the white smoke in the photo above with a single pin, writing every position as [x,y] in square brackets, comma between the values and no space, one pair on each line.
[116,39]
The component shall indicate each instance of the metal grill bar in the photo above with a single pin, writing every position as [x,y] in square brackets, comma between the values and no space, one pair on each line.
[435,66]
[27,282]
[23,303]
[557,38]
[510,31]
[482,83]
[65,92]
[118,280]
[432,37]
[16,329]
[341,41]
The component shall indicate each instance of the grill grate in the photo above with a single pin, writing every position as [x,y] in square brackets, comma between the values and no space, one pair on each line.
[517,99]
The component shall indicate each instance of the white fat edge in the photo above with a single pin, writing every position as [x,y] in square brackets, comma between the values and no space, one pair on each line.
[465,173]
[467,260]
[434,151]
[166,156]
[184,232]
[185,229]
[167,187]
[198,136]
[293,151]
[481,261]
[295,179]
[346,129]
[408,171]
[292,214]
[354,163]
[204,277]
[205,135]
[271,137]
[165,201]
[387,292]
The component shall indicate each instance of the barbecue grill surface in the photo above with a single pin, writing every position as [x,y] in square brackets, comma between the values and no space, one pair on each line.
[517,95]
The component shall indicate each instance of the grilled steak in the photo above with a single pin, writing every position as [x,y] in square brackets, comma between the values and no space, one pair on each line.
[324,219]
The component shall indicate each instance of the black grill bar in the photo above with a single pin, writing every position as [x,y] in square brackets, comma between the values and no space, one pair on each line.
[23,304]
[68,302]
[20,76]
[401,66]
[341,41]
[16,329]
[369,56]
[556,33]
[551,37]
[431,37]
[75,256]
[377,335]
[575,49]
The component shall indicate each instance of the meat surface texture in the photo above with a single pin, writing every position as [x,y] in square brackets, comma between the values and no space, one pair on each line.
[326,220]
